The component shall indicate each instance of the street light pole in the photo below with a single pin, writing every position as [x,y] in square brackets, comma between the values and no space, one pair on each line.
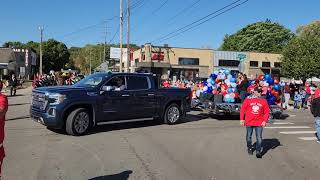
[41,37]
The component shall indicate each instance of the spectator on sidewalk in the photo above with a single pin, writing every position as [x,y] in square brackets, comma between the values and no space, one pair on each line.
[254,114]
[297,100]
[308,93]
[3,111]
[13,83]
[286,92]
[303,94]
[315,110]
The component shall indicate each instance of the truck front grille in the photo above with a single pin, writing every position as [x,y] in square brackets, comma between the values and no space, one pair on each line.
[38,100]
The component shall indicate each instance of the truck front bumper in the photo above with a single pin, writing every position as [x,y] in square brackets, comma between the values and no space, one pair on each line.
[50,117]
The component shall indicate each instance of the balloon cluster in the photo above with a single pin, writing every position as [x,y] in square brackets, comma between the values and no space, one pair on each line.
[221,82]
[271,88]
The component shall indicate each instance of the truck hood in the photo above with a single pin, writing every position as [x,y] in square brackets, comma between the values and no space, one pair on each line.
[60,89]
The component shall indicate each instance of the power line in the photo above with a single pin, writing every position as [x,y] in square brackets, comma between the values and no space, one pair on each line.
[157,9]
[86,27]
[191,24]
[228,9]
[183,11]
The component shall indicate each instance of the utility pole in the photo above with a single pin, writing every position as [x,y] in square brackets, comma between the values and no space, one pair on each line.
[41,37]
[90,59]
[105,44]
[121,24]
[128,36]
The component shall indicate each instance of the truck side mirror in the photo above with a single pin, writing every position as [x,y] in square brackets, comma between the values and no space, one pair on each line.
[107,88]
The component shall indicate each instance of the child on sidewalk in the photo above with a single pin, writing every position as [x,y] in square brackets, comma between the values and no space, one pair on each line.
[297,100]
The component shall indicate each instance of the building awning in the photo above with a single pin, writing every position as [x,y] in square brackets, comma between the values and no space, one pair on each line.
[188,67]
[153,64]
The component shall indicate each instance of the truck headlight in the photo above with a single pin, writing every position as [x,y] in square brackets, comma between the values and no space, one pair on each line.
[55,98]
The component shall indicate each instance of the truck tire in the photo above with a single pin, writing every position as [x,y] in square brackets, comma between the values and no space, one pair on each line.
[172,114]
[78,122]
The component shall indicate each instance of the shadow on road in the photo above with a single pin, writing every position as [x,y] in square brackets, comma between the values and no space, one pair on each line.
[19,104]
[142,124]
[18,95]
[268,144]
[225,117]
[121,176]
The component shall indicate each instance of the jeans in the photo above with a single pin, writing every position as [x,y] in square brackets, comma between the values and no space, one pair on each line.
[13,91]
[258,131]
[306,100]
[243,95]
[297,104]
[317,123]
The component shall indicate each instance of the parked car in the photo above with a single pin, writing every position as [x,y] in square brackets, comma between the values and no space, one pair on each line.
[97,100]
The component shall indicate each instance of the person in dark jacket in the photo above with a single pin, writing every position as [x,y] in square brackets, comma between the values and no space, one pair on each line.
[243,86]
[13,82]
[315,110]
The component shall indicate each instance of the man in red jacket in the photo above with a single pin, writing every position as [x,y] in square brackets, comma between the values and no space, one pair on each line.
[3,111]
[254,114]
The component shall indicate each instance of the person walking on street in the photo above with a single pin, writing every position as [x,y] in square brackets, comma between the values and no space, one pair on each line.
[254,114]
[3,111]
[315,110]
[13,83]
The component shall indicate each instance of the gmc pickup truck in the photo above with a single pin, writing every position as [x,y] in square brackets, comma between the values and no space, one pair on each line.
[100,99]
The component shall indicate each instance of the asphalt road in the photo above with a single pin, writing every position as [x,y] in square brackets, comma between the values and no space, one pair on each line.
[200,148]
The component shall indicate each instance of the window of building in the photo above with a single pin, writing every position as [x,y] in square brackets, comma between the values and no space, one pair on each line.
[189,61]
[229,63]
[137,83]
[254,63]
[277,64]
[265,64]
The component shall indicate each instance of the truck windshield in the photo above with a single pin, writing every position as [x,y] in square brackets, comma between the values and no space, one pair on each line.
[92,80]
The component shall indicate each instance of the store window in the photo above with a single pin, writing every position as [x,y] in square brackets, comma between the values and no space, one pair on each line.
[189,61]
[265,64]
[254,63]
[229,63]
[277,64]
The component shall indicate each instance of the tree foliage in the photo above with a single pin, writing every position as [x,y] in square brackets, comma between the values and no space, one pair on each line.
[55,55]
[264,36]
[301,58]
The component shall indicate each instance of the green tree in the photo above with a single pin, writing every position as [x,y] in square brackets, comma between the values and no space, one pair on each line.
[55,55]
[14,44]
[301,58]
[263,36]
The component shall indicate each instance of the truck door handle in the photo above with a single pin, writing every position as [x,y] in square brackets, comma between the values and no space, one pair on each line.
[150,94]
[125,95]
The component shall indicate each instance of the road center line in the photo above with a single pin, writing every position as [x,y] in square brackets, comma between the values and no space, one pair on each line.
[297,132]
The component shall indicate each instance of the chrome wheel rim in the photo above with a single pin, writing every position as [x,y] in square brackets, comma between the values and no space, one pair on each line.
[81,122]
[173,114]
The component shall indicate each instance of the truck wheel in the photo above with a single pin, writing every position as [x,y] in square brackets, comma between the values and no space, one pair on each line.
[78,122]
[172,114]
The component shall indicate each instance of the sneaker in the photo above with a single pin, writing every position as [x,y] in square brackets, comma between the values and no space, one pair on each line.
[250,151]
[259,155]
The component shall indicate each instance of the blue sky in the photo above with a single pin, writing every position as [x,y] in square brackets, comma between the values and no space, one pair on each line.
[150,20]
